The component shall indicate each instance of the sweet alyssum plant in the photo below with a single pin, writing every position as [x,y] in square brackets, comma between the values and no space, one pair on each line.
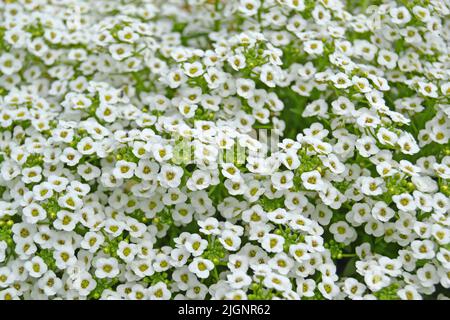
[133,163]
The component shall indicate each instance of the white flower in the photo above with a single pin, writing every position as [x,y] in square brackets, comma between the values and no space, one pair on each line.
[201,267]
[376,280]
[400,15]
[312,180]
[408,144]
[159,291]
[409,293]
[106,268]
[3,247]
[341,80]
[305,287]
[278,282]
[9,64]
[382,212]
[282,180]
[64,257]
[124,169]
[170,176]
[199,180]
[84,283]
[387,58]
[236,187]
[36,267]
[195,245]
[367,146]
[237,62]
[328,289]
[313,47]
[120,51]
[245,88]
[372,186]
[272,243]
[341,231]
[230,240]
[299,252]
[423,249]
[404,202]
[238,280]
[34,213]
[249,7]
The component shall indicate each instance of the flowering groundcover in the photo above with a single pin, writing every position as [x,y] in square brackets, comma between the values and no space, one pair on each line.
[212,149]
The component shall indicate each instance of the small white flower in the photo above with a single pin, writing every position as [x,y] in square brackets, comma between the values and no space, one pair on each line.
[106,268]
[36,267]
[312,180]
[272,243]
[201,267]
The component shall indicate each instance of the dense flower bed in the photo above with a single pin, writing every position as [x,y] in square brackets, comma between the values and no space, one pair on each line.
[212,149]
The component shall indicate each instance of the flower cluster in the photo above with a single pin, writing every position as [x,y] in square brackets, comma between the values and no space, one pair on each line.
[135,161]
